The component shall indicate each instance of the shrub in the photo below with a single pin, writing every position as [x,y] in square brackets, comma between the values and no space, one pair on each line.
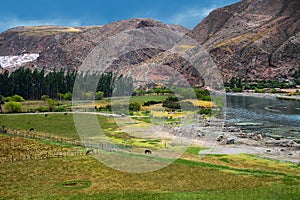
[44,97]
[149,103]
[257,90]
[171,104]
[42,109]
[17,98]
[205,111]
[134,106]
[172,98]
[8,99]
[272,91]
[235,89]
[52,103]
[68,96]
[227,89]
[202,94]
[60,109]
[99,95]
[13,107]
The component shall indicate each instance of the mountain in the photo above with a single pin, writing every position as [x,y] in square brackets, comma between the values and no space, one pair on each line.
[253,39]
[66,47]
[257,39]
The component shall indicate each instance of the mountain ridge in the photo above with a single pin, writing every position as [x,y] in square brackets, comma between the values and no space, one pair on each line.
[251,39]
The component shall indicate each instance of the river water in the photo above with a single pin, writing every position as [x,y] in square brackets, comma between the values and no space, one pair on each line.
[269,116]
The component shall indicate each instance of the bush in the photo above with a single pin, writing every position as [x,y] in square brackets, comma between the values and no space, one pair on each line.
[8,99]
[17,98]
[149,103]
[172,98]
[171,104]
[13,107]
[134,106]
[52,103]
[42,109]
[227,89]
[257,90]
[205,111]
[237,89]
[273,91]
[202,94]
[99,95]
[44,97]
[68,96]
[60,109]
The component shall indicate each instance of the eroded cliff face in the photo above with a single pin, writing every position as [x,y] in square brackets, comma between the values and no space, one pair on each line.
[258,39]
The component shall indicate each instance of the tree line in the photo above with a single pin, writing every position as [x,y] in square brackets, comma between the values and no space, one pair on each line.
[33,84]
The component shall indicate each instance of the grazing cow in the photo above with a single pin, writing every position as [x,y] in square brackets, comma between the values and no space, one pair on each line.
[31,129]
[46,115]
[148,151]
[200,134]
[65,113]
[230,141]
[259,137]
[89,151]
[220,138]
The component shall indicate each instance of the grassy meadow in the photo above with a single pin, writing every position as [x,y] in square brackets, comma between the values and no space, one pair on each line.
[184,179]
[80,176]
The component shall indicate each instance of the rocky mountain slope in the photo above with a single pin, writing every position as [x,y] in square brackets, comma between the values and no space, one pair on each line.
[253,39]
[257,39]
[67,47]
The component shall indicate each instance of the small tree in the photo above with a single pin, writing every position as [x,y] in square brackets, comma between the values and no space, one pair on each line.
[68,96]
[44,97]
[13,107]
[52,103]
[99,95]
[60,96]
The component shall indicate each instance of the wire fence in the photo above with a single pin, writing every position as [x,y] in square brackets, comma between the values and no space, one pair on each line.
[85,147]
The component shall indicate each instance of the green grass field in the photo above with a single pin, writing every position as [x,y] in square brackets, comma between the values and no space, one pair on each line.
[38,179]
[189,177]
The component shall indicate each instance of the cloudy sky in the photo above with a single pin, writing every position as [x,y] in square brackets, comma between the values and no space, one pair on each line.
[98,12]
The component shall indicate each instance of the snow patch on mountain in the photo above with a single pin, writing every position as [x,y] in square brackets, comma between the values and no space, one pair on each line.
[17,61]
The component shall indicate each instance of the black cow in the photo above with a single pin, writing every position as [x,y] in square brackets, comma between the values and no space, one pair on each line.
[148,151]
[89,151]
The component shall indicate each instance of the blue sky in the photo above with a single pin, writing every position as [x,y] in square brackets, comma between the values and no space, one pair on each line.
[98,12]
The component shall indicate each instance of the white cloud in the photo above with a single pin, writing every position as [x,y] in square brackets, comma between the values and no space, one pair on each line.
[8,23]
[190,17]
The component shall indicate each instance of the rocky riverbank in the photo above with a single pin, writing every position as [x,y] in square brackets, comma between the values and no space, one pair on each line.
[265,95]
[220,138]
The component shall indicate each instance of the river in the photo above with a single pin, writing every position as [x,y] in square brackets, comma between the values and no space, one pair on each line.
[269,116]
